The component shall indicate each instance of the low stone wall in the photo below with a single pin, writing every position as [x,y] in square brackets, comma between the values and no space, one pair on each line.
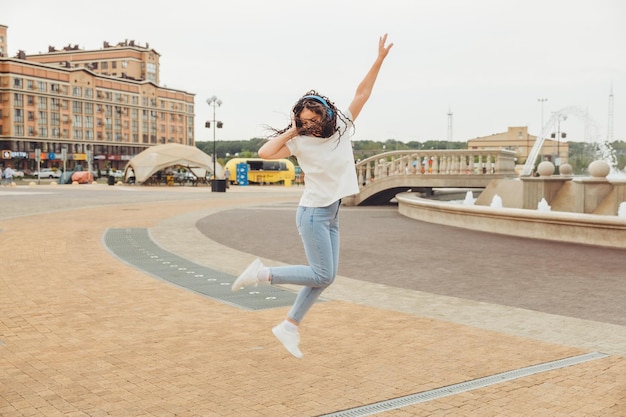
[588,229]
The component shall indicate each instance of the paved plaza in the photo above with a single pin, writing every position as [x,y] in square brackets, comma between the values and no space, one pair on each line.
[417,311]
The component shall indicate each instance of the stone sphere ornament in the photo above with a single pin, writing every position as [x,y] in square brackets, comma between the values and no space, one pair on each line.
[599,169]
[545,169]
[566,169]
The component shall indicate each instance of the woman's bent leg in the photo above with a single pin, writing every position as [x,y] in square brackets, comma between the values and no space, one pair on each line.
[319,230]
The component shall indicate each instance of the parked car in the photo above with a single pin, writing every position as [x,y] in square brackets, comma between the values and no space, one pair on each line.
[185,177]
[118,173]
[18,174]
[48,173]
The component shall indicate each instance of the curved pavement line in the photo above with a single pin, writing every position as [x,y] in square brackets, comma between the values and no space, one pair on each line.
[179,235]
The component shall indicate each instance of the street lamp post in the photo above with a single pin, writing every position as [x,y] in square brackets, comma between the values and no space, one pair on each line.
[559,135]
[214,102]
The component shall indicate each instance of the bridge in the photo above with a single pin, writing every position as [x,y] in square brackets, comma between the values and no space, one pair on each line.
[383,176]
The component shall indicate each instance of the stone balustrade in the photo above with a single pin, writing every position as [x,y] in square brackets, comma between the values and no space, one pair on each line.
[436,162]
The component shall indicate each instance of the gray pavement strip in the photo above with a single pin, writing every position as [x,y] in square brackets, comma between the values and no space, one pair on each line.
[380,407]
[135,247]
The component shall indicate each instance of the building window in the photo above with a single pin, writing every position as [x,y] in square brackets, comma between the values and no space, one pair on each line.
[43,103]
[54,88]
[77,120]
[88,108]
[42,86]
[18,117]
[89,92]
[77,91]
[55,104]
[77,107]
[78,134]
[151,71]
[55,119]
[105,65]
[18,100]
[43,118]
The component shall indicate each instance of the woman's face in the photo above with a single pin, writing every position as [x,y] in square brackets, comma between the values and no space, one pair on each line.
[311,122]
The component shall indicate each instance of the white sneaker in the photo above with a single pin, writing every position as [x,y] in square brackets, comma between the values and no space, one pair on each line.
[249,276]
[289,339]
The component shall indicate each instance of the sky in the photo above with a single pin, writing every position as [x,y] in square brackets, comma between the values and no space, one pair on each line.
[487,62]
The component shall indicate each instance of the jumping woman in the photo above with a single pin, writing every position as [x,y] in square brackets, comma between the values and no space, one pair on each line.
[319,136]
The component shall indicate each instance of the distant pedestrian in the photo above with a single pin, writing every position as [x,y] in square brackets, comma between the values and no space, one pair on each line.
[319,137]
[8,176]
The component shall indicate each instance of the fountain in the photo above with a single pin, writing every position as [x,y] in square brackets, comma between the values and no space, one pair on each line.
[589,210]
[543,205]
[604,150]
[469,199]
[496,202]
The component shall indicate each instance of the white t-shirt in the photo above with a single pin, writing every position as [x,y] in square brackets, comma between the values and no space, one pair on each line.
[328,166]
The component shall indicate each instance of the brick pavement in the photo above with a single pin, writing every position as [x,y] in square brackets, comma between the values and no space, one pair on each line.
[82,334]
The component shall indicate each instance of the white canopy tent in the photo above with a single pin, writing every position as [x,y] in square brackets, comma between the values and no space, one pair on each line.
[157,158]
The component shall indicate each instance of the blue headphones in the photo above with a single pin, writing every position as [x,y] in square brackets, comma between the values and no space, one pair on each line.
[321,100]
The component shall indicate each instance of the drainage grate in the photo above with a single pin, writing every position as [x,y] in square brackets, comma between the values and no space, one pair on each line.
[380,407]
[136,248]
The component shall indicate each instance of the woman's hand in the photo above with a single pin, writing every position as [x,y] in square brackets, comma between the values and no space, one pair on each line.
[276,148]
[382,49]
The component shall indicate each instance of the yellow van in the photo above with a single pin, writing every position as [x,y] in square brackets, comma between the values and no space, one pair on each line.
[263,171]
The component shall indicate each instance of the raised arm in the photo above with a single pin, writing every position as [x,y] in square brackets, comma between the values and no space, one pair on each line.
[364,90]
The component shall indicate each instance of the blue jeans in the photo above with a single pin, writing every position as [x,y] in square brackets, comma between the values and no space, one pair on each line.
[319,231]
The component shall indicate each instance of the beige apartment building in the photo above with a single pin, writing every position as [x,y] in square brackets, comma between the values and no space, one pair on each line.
[94,106]
[518,139]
